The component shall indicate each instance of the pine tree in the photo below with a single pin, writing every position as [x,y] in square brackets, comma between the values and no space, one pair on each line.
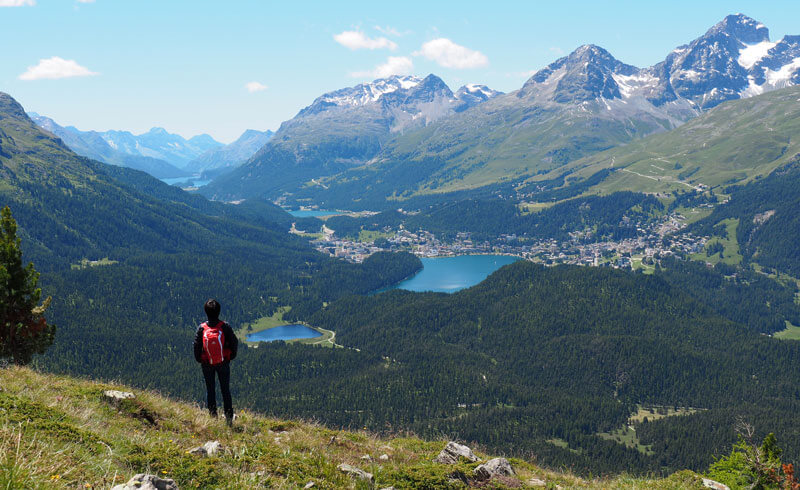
[23,330]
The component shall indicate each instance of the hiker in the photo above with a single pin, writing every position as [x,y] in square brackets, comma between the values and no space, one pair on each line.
[215,346]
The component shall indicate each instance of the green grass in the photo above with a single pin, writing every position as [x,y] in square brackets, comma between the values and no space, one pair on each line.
[627,437]
[637,264]
[731,253]
[366,236]
[791,333]
[58,432]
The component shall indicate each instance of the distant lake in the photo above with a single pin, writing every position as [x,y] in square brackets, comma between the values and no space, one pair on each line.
[186,181]
[451,274]
[284,332]
[311,213]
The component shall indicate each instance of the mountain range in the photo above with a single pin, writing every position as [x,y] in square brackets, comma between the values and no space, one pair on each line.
[158,143]
[221,159]
[400,137]
[347,128]
[91,144]
[157,152]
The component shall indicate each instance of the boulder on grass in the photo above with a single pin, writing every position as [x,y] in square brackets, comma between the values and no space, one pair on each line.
[115,397]
[211,448]
[494,468]
[453,451]
[147,482]
[354,472]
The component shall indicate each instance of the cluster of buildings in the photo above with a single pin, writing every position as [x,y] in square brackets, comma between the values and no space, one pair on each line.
[651,241]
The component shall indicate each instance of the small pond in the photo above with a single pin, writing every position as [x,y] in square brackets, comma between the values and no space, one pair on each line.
[284,332]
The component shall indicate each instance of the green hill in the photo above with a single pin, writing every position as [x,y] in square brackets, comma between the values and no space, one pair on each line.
[733,143]
[60,432]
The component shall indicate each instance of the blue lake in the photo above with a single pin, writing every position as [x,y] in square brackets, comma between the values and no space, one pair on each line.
[311,213]
[284,332]
[186,181]
[451,274]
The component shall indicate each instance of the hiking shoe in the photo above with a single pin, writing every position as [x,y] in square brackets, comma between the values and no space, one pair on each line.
[229,420]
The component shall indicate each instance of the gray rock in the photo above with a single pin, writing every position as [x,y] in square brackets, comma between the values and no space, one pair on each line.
[310,484]
[211,448]
[384,457]
[452,452]
[147,482]
[708,483]
[366,458]
[536,482]
[115,397]
[354,472]
[492,468]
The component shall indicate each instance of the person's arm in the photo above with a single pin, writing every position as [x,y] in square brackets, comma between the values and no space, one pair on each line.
[198,345]
[231,341]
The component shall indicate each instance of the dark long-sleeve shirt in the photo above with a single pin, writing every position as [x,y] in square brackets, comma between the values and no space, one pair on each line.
[230,343]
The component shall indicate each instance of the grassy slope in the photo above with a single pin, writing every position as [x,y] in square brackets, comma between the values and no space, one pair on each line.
[734,142]
[58,432]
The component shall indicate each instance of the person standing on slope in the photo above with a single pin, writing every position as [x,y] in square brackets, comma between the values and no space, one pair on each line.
[215,346]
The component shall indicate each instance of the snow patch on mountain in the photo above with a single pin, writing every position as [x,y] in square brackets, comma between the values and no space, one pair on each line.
[751,54]
[366,93]
[630,85]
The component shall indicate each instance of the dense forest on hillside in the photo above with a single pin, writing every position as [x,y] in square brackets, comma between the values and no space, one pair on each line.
[489,219]
[531,355]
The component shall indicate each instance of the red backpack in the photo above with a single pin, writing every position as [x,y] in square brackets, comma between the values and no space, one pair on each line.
[213,343]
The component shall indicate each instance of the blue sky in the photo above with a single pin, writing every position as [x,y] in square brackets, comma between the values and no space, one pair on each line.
[185,65]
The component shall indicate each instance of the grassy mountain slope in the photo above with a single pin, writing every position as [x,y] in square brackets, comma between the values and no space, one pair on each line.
[58,432]
[732,143]
[505,140]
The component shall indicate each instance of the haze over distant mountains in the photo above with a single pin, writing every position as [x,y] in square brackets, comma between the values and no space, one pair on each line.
[219,159]
[158,152]
[403,136]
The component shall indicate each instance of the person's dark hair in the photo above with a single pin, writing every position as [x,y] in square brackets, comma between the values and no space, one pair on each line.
[212,308]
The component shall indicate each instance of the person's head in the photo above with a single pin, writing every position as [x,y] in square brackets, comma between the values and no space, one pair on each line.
[212,309]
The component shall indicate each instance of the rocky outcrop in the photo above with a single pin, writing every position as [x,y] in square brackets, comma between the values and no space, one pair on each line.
[354,472]
[211,448]
[115,397]
[493,468]
[453,451]
[708,483]
[147,482]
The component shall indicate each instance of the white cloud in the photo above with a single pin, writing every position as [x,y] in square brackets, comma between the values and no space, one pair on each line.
[395,65]
[55,67]
[17,3]
[391,31]
[358,40]
[253,87]
[85,1]
[451,55]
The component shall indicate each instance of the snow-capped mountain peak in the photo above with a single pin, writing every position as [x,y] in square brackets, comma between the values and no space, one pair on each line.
[364,93]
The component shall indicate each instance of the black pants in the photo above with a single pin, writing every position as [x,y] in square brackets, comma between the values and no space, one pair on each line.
[223,371]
